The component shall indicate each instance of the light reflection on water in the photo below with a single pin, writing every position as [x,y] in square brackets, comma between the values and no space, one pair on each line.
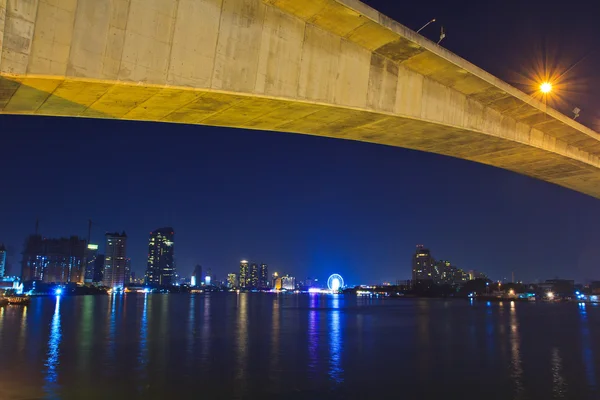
[143,346]
[296,346]
[313,334]
[335,342]
[516,367]
[52,360]
[588,356]
[559,385]
[241,369]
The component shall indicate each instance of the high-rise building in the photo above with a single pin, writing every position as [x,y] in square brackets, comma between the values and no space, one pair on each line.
[90,262]
[244,276]
[254,276]
[288,282]
[161,261]
[423,265]
[54,260]
[115,260]
[263,277]
[98,269]
[197,276]
[127,271]
[2,261]
[209,278]
[232,281]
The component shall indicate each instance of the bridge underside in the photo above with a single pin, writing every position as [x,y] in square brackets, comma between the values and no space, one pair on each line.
[115,100]
[333,68]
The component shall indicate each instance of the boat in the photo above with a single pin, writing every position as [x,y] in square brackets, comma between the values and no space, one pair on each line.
[19,300]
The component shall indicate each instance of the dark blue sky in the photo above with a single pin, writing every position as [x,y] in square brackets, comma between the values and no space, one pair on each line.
[312,206]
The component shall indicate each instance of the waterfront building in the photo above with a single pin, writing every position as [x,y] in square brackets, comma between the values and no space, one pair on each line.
[197,275]
[54,260]
[263,276]
[2,261]
[254,276]
[90,262]
[244,277]
[288,282]
[232,281]
[209,279]
[115,260]
[98,269]
[423,265]
[161,259]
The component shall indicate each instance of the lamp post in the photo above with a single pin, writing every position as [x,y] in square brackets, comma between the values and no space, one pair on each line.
[424,26]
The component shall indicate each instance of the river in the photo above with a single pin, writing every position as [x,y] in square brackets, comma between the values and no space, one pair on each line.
[296,346]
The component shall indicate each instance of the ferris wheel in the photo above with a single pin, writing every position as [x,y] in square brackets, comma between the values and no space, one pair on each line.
[335,282]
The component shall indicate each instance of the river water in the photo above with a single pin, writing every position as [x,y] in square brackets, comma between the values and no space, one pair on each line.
[267,346]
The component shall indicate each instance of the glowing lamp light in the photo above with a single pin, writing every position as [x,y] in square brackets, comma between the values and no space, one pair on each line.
[58,292]
[550,295]
[546,87]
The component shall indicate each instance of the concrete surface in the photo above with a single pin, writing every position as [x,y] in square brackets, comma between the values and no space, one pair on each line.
[335,68]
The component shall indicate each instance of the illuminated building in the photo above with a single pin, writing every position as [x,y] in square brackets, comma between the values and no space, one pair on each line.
[244,277]
[277,283]
[115,260]
[90,262]
[197,275]
[98,269]
[423,265]
[288,282]
[232,281]
[54,260]
[209,278]
[253,276]
[263,276]
[2,260]
[161,261]
[127,270]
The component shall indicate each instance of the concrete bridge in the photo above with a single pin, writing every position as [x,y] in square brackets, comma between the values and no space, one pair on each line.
[334,68]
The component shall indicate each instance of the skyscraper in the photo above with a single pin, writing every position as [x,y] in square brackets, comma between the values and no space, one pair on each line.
[115,260]
[161,262]
[244,277]
[197,275]
[90,262]
[98,269]
[232,281]
[209,278]
[54,260]
[2,260]
[263,277]
[423,265]
[254,276]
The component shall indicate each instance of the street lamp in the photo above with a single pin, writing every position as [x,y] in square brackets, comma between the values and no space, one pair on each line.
[424,26]
[546,87]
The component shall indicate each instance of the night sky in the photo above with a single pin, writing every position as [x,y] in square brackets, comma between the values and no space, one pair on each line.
[313,206]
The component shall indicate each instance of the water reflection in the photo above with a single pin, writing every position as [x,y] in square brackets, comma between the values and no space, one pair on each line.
[588,355]
[206,331]
[275,368]
[241,345]
[191,329]
[52,360]
[23,330]
[516,365]
[335,342]
[559,385]
[313,334]
[143,351]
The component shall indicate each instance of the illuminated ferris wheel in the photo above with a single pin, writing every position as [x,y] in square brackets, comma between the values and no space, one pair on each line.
[335,282]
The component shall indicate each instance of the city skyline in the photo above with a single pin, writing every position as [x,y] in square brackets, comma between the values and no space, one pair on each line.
[312,205]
